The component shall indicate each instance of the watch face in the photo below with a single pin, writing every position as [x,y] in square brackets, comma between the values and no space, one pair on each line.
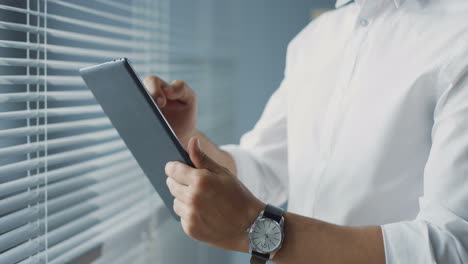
[265,235]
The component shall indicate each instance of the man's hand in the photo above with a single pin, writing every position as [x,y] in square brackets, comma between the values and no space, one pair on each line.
[214,206]
[178,103]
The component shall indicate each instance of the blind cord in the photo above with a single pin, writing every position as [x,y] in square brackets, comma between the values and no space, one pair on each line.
[46,124]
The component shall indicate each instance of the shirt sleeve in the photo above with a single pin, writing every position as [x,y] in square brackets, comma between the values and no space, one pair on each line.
[261,156]
[439,234]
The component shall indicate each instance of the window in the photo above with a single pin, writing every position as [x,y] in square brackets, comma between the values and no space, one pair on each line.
[68,185]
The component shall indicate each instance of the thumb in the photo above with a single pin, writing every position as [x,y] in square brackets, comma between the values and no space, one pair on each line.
[198,157]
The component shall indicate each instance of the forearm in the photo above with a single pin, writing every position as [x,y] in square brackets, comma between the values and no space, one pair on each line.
[311,241]
[213,151]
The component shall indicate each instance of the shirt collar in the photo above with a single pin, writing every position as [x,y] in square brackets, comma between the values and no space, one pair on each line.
[340,3]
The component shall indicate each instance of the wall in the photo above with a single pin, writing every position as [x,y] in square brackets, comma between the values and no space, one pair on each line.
[265,28]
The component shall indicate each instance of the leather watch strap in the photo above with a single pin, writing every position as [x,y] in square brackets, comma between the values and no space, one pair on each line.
[273,212]
[259,258]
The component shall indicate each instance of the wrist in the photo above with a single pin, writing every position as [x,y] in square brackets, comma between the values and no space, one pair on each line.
[252,213]
[266,235]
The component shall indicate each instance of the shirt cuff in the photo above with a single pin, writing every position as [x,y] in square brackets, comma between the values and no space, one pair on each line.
[436,236]
[400,242]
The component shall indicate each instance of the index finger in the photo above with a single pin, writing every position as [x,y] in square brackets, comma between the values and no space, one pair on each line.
[155,87]
[180,172]
[180,91]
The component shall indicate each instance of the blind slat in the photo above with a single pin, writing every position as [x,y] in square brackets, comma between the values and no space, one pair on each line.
[94,236]
[127,6]
[61,65]
[27,214]
[52,80]
[84,224]
[41,96]
[63,173]
[77,22]
[108,41]
[21,201]
[51,64]
[94,137]
[59,111]
[67,156]
[105,199]
[23,251]
[89,179]
[16,202]
[20,218]
[87,193]
[71,215]
[108,15]
[93,53]
[53,128]
[20,235]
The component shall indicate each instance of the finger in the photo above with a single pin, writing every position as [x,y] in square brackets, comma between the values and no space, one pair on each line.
[180,172]
[180,208]
[180,91]
[189,228]
[178,190]
[199,158]
[155,87]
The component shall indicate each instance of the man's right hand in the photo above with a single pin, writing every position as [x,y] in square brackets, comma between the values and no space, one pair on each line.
[178,103]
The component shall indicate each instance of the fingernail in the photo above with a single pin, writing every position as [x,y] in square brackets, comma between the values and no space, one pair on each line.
[198,145]
[168,167]
[160,101]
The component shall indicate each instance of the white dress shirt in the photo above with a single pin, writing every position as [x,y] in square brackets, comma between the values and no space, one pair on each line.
[370,126]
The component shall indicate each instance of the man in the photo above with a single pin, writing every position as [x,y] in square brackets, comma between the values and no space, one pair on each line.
[367,140]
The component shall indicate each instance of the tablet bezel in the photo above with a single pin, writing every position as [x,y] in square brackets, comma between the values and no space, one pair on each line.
[157,111]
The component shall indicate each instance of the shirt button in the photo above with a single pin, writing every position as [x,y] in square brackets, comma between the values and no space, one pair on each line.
[363,22]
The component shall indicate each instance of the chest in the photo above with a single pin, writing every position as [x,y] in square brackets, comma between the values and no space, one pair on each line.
[362,90]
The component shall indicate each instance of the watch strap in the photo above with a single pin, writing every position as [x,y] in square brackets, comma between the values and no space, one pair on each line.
[276,214]
[259,258]
[273,212]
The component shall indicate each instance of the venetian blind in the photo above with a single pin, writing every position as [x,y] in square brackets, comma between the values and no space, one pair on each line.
[67,180]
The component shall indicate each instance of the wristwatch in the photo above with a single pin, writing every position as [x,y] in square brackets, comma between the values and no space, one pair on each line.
[266,234]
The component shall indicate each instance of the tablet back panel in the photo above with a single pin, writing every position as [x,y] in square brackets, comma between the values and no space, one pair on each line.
[138,121]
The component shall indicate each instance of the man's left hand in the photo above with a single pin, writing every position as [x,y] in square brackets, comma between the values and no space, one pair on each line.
[214,206]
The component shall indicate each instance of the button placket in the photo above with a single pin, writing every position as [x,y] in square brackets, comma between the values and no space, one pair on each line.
[335,107]
[341,91]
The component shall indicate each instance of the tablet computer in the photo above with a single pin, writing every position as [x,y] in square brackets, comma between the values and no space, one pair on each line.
[138,120]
